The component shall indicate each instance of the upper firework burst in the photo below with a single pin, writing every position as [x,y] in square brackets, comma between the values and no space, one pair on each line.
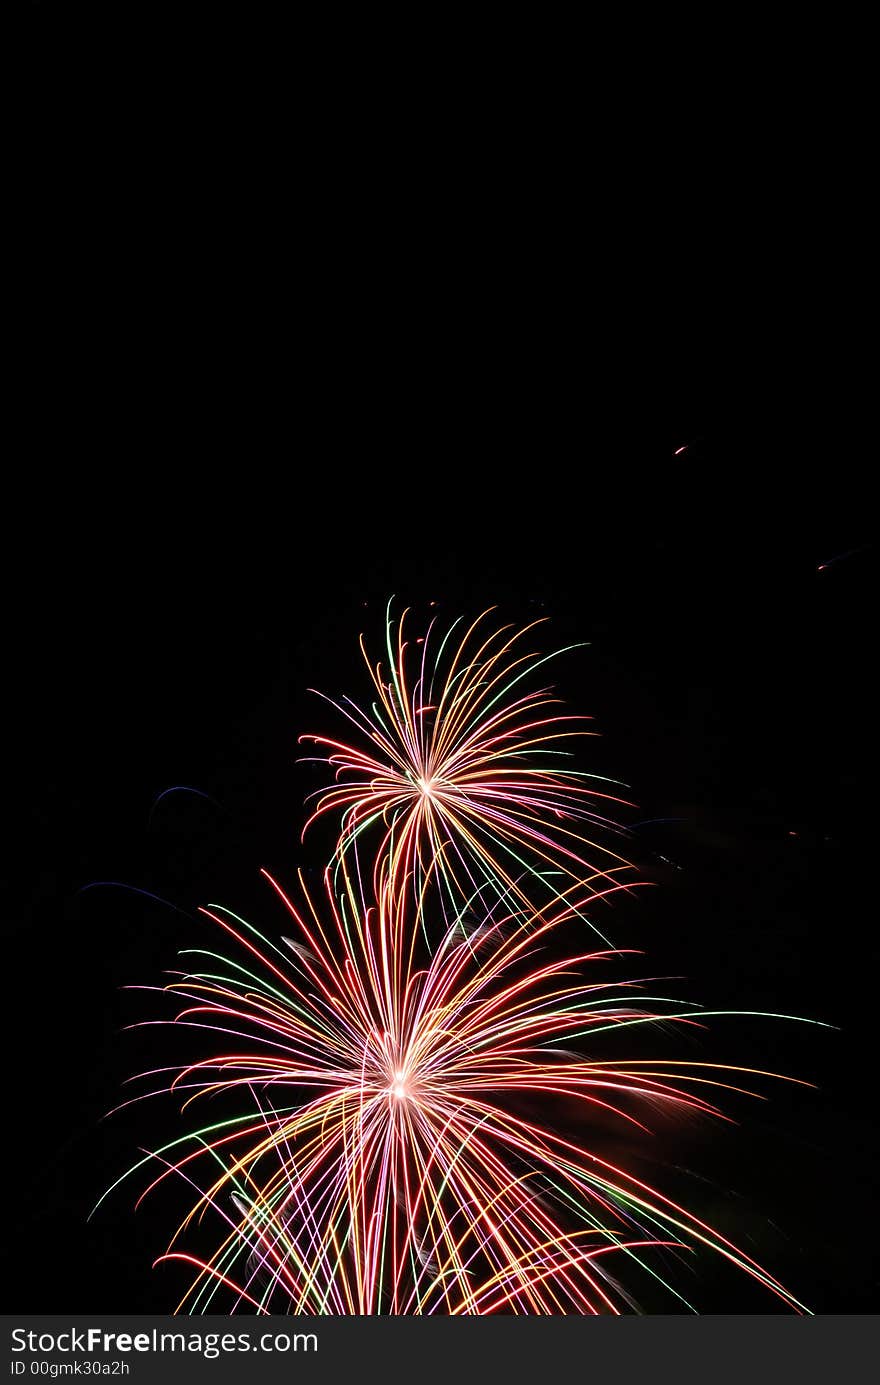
[464,766]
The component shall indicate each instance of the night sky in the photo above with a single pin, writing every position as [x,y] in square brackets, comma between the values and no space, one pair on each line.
[243,415]
[174,639]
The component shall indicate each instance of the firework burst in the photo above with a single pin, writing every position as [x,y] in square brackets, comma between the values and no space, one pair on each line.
[385,1163]
[459,761]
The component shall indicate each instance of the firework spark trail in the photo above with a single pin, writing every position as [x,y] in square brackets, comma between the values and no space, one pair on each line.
[382,1167]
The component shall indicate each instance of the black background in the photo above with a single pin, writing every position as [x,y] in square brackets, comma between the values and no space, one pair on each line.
[229,451]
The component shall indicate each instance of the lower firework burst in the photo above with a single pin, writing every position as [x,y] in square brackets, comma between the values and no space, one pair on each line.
[381,1154]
